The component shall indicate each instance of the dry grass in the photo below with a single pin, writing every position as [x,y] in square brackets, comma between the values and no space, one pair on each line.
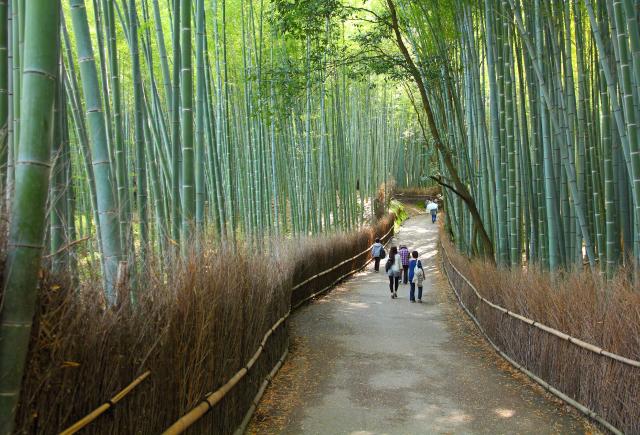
[428,192]
[193,332]
[606,314]
[315,255]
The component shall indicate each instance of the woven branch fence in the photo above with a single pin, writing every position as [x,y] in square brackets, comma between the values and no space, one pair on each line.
[575,371]
[301,293]
[254,376]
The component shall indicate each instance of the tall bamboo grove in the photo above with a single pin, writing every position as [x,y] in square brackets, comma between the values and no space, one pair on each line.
[539,102]
[197,120]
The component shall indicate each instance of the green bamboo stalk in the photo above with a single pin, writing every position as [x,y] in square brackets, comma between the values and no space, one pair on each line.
[175,125]
[200,119]
[141,175]
[59,192]
[4,95]
[105,191]
[501,246]
[28,214]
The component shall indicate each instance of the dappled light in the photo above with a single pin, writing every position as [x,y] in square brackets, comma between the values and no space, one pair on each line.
[504,413]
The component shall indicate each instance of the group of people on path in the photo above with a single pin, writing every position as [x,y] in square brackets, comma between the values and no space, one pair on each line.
[400,264]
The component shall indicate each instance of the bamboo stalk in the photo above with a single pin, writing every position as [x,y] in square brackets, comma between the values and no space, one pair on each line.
[105,406]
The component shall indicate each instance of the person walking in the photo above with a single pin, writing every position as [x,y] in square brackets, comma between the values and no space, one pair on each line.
[432,208]
[416,277]
[377,252]
[404,257]
[393,268]
[412,285]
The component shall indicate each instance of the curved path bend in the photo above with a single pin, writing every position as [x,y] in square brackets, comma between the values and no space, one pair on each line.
[362,363]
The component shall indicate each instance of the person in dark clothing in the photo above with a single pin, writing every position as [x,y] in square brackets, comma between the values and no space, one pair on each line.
[412,266]
[393,267]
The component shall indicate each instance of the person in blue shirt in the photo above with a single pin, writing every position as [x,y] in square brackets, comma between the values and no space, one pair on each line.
[412,266]
[416,277]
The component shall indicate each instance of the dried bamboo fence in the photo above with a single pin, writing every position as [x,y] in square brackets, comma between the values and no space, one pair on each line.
[353,264]
[306,290]
[564,365]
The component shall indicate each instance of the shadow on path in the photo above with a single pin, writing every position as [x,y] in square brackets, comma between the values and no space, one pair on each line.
[362,363]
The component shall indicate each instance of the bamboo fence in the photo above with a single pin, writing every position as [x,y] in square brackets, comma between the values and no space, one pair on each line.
[105,406]
[449,267]
[212,399]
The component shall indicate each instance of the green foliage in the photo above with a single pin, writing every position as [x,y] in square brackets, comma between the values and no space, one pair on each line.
[397,208]
[299,18]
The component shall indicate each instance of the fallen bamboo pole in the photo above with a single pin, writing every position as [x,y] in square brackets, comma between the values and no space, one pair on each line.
[105,406]
[580,407]
[576,341]
[184,422]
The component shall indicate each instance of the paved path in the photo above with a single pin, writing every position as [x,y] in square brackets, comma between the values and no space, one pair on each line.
[362,363]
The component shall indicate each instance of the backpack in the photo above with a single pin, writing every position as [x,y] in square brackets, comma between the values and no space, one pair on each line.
[383,254]
[388,265]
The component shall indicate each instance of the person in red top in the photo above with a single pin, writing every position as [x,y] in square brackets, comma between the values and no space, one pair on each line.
[404,257]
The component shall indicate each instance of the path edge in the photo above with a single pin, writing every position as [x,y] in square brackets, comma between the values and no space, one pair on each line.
[548,387]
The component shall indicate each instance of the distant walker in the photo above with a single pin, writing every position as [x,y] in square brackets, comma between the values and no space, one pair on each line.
[432,207]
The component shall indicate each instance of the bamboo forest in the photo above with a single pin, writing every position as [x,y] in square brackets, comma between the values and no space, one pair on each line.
[182,181]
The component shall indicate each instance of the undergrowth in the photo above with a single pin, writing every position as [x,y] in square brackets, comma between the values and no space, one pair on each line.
[401,215]
[603,313]
[430,191]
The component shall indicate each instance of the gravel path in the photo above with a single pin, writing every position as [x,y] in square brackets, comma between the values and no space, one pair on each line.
[362,363]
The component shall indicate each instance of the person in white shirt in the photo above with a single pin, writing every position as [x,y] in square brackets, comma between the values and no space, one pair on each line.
[432,207]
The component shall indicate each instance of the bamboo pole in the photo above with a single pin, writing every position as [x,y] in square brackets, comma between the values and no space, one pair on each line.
[256,400]
[105,406]
[212,399]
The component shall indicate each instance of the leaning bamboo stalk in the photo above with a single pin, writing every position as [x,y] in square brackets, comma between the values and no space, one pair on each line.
[543,327]
[105,406]
[580,407]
